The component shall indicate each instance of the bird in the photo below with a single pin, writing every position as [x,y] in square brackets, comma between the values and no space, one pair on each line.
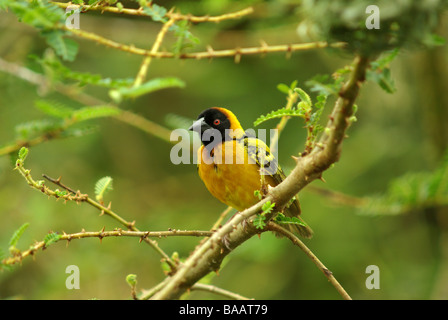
[234,164]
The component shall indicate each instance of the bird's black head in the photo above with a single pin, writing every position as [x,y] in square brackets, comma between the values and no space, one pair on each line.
[215,122]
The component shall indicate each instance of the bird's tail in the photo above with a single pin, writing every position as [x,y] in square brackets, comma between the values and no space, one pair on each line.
[301,229]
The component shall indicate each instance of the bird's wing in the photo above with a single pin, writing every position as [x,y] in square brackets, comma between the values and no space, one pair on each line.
[259,153]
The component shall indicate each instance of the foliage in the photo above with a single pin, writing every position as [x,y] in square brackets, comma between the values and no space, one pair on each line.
[47,18]
[18,234]
[62,121]
[402,23]
[413,191]
[304,110]
[103,186]
[51,238]
[260,219]
[282,219]
[380,71]
[55,69]
[152,85]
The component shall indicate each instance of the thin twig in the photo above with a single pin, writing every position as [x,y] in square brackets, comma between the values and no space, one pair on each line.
[44,86]
[221,218]
[278,229]
[38,79]
[216,290]
[155,47]
[290,100]
[145,125]
[18,257]
[209,54]
[147,294]
[338,197]
[141,12]
[79,197]
[130,225]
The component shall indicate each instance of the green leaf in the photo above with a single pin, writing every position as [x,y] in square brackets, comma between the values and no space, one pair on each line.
[324,84]
[177,121]
[434,40]
[185,39]
[66,48]
[39,14]
[282,219]
[102,186]
[267,207]
[150,86]
[156,12]
[131,279]
[257,194]
[283,88]
[60,72]
[383,79]
[384,61]
[380,71]
[279,114]
[78,132]
[51,238]
[23,152]
[28,129]
[60,193]
[18,234]
[303,96]
[259,221]
[88,113]
[54,109]
[4,6]
[47,17]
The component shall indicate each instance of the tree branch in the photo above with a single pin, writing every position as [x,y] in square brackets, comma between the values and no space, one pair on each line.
[210,53]
[140,12]
[155,47]
[222,292]
[296,241]
[80,197]
[208,255]
[41,81]
[18,256]
[290,100]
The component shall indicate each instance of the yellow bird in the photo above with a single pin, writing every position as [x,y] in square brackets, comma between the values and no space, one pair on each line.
[233,164]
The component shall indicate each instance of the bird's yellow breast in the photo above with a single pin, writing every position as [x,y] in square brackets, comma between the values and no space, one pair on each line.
[230,175]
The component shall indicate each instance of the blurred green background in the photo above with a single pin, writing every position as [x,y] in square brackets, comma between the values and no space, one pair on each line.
[395,134]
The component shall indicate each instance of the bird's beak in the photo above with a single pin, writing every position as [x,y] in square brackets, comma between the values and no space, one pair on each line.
[199,126]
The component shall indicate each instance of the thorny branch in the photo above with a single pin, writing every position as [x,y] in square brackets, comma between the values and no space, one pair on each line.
[236,53]
[296,241]
[208,255]
[80,197]
[172,18]
[169,15]
[142,235]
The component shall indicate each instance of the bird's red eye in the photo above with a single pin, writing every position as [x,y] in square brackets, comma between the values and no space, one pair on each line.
[217,122]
